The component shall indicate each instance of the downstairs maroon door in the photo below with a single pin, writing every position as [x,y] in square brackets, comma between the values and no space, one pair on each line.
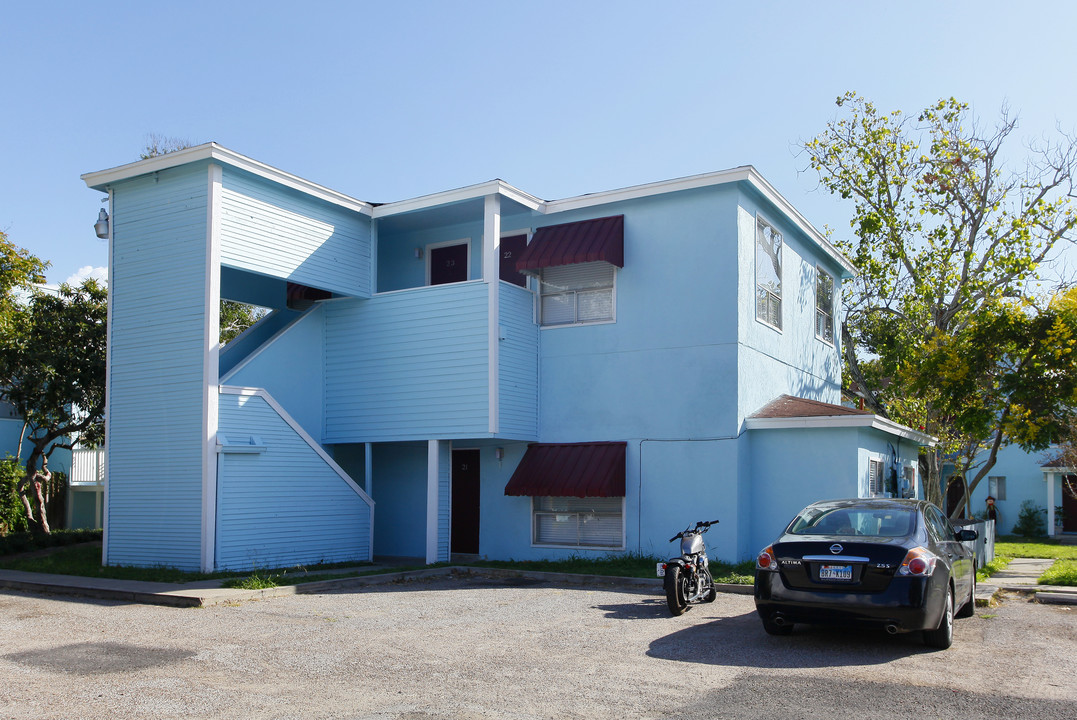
[465,502]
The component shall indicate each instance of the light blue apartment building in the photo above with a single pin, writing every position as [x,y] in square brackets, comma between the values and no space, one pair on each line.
[474,372]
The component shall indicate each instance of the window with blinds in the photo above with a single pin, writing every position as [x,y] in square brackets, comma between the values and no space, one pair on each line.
[824,306]
[996,486]
[768,274]
[578,522]
[577,294]
[875,477]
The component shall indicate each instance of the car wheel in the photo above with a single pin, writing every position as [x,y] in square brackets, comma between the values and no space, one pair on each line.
[969,608]
[943,636]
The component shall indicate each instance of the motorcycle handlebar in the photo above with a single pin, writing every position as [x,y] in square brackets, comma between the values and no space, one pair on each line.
[701,524]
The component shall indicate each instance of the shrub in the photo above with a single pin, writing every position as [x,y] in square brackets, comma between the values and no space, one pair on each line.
[12,512]
[1031,520]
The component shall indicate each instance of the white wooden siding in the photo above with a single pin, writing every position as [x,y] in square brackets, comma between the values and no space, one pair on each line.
[278,232]
[155,376]
[518,396]
[284,506]
[408,365]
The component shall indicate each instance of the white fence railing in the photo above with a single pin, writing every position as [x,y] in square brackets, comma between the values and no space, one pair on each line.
[87,467]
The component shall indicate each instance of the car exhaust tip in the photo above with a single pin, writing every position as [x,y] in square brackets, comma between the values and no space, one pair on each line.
[780,621]
[892,628]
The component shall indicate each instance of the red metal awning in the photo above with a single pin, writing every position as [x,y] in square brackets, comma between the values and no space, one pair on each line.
[602,239]
[570,470]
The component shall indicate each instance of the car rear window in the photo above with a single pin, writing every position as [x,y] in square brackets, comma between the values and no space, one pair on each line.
[891,522]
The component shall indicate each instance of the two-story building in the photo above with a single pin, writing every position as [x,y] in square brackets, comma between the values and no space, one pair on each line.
[477,372]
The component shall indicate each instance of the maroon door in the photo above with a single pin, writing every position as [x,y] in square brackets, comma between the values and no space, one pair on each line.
[465,502]
[448,264]
[511,249]
[1069,506]
[955,497]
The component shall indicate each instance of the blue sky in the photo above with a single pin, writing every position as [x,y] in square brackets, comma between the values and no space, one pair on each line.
[386,101]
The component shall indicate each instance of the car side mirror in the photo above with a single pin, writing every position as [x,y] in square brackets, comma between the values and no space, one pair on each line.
[967,535]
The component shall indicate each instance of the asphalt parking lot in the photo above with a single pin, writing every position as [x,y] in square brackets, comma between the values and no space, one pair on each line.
[514,648]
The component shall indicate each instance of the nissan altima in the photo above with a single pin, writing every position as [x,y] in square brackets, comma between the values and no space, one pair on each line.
[893,564]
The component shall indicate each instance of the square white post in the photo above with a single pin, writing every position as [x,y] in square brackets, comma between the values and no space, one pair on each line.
[491,275]
[432,473]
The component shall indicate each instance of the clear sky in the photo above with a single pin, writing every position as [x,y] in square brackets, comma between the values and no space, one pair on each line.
[390,100]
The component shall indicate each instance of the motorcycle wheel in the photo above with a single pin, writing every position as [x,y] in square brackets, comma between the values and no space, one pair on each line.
[712,594]
[676,590]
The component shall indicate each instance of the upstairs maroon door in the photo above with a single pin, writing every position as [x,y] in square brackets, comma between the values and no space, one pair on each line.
[448,264]
[465,502]
[511,250]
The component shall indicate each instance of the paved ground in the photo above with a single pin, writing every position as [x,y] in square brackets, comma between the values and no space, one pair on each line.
[514,648]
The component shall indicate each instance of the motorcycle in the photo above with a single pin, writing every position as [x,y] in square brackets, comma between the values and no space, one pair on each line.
[687,579]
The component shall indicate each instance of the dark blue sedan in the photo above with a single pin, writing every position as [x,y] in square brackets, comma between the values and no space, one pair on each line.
[893,564]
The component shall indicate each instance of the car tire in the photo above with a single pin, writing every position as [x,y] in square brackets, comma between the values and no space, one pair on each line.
[969,609]
[943,636]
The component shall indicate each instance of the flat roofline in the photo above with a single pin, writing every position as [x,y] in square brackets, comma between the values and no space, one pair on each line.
[102,179]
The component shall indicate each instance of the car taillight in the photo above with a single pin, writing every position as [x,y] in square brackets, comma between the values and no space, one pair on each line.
[918,562]
[766,560]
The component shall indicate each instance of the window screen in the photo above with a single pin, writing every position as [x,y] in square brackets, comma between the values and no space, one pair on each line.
[824,306]
[578,522]
[579,293]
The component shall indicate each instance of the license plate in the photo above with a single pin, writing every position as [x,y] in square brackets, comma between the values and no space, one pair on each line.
[661,569]
[836,572]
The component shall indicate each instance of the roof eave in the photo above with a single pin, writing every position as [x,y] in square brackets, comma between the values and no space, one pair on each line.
[103,179]
[841,421]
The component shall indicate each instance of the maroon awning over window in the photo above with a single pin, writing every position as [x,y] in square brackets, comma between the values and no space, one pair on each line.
[602,239]
[570,470]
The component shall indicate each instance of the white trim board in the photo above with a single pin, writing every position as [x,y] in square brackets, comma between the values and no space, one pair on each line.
[264,394]
[841,421]
[212,151]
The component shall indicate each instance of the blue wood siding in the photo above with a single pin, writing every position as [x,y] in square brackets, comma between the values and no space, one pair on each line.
[408,365]
[155,393]
[518,388]
[285,506]
[275,231]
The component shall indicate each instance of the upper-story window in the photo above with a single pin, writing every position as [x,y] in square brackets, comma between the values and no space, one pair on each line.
[768,273]
[824,306]
[577,294]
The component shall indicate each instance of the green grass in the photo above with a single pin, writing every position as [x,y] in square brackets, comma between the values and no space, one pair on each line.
[1063,572]
[85,561]
[992,567]
[1015,547]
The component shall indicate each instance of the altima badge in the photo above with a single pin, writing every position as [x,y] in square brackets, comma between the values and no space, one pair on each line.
[835,548]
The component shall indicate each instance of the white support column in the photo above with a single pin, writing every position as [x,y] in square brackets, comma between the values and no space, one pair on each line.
[211,345]
[1051,502]
[432,473]
[491,274]
[102,503]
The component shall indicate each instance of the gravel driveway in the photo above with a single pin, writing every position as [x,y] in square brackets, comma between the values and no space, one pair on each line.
[485,648]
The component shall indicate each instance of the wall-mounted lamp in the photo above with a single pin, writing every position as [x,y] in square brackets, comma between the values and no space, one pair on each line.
[101,226]
[499,454]
[418,253]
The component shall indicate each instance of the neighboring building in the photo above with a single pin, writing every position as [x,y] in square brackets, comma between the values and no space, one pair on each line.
[1019,477]
[496,374]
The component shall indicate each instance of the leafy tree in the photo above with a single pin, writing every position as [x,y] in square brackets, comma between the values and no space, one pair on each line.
[157,144]
[52,370]
[18,270]
[237,317]
[944,238]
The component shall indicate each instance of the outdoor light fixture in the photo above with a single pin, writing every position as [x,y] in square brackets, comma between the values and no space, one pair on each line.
[418,253]
[101,226]
[499,453]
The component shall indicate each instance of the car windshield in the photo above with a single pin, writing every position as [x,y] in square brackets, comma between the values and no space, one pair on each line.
[874,522]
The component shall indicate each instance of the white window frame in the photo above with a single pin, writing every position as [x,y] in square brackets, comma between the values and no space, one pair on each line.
[534,531]
[448,243]
[994,483]
[760,221]
[819,274]
[875,488]
[605,321]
